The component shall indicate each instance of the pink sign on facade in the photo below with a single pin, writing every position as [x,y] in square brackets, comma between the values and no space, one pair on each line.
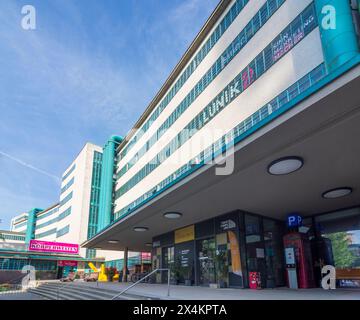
[66,263]
[53,247]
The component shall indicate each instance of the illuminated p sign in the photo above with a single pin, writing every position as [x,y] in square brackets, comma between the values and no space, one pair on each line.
[294,220]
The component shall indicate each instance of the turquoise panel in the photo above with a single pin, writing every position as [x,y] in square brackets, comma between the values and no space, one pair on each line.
[337,32]
[107,182]
[30,231]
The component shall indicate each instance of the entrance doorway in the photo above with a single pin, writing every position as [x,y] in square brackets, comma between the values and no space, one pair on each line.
[206,263]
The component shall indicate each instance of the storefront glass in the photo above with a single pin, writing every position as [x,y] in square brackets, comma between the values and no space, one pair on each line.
[167,261]
[255,250]
[273,232]
[343,230]
[206,262]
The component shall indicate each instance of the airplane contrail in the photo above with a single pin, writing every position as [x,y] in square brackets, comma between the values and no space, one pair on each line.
[27,165]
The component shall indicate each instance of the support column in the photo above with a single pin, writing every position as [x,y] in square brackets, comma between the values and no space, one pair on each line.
[125,267]
[107,182]
[337,32]
[30,229]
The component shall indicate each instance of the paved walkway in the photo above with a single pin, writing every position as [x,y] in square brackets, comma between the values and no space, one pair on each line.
[205,293]
[20,296]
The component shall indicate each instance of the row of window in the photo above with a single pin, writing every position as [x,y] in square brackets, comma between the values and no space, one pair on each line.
[21,218]
[67,186]
[90,253]
[119,264]
[45,234]
[4,236]
[66,199]
[60,217]
[95,194]
[277,104]
[19,264]
[294,33]
[18,226]
[63,231]
[42,215]
[71,170]
[199,57]
[240,41]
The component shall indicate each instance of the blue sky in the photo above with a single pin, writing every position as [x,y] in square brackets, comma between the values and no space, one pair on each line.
[88,71]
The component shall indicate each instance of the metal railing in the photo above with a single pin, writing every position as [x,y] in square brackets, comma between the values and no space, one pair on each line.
[142,279]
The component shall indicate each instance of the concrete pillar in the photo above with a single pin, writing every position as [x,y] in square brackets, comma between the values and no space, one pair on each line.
[337,32]
[125,267]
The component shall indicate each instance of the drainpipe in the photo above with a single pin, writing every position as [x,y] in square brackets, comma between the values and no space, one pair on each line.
[337,31]
[107,182]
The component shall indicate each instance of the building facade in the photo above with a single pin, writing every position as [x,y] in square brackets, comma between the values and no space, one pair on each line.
[205,173]
[72,220]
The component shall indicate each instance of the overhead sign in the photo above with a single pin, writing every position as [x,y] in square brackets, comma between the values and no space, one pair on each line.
[294,220]
[185,234]
[53,247]
[67,263]
[227,225]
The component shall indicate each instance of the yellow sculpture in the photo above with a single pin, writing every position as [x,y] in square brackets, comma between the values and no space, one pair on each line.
[102,275]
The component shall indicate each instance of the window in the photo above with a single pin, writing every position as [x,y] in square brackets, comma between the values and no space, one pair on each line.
[69,172]
[62,231]
[230,52]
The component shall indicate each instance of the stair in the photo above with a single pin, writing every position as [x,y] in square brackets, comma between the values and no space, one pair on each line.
[74,291]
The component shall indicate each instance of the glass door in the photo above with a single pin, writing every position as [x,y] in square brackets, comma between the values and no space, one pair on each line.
[255,250]
[274,257]
[206,254]
[167,261]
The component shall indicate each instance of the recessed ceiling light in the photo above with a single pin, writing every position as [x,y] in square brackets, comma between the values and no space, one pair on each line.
[149,244]
[141,229]
[113,241]
[285,165]
[172,215]
[337,193]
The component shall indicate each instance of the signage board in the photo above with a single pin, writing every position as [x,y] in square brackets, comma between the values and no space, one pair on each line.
[53,247]
[67,263]
[294,220]
[185,234]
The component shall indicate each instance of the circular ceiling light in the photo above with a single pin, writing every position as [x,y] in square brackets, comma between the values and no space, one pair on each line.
[141,229]
[172,215]
[286,165]
[113,241]
[337,193]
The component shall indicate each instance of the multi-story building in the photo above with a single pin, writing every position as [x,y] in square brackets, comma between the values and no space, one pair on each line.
[272,84]
[75,217]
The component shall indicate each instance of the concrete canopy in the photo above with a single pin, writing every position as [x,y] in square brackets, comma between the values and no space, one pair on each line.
[323,129]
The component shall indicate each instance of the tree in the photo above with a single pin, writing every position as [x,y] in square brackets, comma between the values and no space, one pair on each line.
[343,257]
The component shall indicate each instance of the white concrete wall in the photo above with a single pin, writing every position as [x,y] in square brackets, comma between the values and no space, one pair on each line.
[22,218]
[298,62]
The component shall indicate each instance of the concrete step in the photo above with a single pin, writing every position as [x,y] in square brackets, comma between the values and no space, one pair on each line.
[97,293]
[53,295]
[85,292]
[75,292]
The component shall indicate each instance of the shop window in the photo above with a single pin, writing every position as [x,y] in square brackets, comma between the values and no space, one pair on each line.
[342,229]
[273,244]
[206,261]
